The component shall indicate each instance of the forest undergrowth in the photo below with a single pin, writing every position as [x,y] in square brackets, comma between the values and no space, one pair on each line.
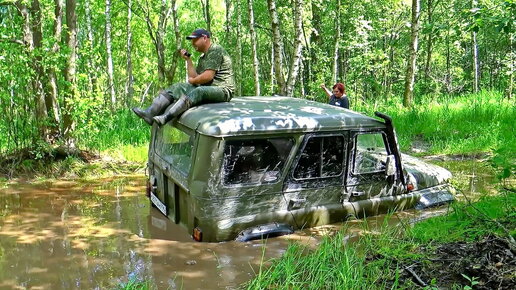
[466,126]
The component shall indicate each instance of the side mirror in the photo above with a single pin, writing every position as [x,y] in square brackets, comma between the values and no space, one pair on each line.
[390,166]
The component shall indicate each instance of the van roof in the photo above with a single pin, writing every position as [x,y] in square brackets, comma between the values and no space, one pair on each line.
[265,115]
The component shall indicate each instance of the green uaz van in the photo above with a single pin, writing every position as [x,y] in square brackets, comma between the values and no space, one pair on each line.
[264,166]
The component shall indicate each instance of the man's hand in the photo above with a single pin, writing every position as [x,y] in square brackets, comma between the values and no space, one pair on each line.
[185,54]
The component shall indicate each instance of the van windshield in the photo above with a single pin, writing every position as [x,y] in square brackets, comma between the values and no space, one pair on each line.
[175,147]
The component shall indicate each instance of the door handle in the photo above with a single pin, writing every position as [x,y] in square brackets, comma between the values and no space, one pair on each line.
[357,193]
[296,203]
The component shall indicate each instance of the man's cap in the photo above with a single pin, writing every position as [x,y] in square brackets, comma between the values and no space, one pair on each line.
[199,33]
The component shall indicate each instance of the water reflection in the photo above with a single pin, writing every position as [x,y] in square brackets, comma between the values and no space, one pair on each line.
[98,234]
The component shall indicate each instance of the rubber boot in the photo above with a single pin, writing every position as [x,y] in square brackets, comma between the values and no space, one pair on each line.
[179,107]
[157,106]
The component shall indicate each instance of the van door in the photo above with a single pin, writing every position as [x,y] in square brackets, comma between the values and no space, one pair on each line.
[314,188]
[367,176]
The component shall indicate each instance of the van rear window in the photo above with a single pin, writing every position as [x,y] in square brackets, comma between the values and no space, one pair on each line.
[175,146]
[255,161]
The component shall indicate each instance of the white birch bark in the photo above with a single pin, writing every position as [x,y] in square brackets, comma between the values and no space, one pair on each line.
[110,70]
[238,71]
[411,64]
[254,45]
[70,73]
[129,91]
[335,63]
[278,47]
[298,47]
[475,53]
[52,103]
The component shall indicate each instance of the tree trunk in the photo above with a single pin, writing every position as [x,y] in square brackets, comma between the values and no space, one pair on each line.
[335,67]
[277,46]
[298,47]
[475,53]
[206,12]
[228,19]
[129,91]
[256,63]
[51,100]
[411,65]
[511,67]
[448,62]
[111,85]
[315,42]
[238,71]
[91,67]
[429,41]
[70,73]
[37,38]
[175,59]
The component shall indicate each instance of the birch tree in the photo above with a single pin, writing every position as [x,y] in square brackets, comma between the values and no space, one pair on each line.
[411,64]
[110,72]
[51,101]
[70,73]
[256,63]
[89,31]
[474,48]
[335,63]
[175,60]
[238,71]
[129,66]
[298,47]
[206,12]
[278,48]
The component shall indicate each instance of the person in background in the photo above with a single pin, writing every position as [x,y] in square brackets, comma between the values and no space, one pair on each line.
[337,96]
[211,81]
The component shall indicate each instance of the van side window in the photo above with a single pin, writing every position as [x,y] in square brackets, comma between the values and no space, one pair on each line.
[175,146]
[255,161]
[321,157]
[370,153]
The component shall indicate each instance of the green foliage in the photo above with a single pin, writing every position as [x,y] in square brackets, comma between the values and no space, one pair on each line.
[371,61]
[331,266]
[469,221]
[455,125]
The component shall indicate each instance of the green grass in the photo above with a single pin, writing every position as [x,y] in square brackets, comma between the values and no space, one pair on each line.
[454,124]
[135,285]
[375,260]
[490,215]
[331,266]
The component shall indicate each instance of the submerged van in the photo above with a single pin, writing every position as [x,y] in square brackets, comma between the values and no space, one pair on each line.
[264,166]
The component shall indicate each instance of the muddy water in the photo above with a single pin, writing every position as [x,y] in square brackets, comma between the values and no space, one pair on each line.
[99,234]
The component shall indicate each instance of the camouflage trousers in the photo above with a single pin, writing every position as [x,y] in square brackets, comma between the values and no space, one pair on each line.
[198,94]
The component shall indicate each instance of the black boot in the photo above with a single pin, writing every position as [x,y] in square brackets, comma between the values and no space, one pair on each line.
[157,106]
[179,107]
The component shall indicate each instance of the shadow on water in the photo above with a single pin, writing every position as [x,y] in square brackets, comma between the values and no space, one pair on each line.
[99,234]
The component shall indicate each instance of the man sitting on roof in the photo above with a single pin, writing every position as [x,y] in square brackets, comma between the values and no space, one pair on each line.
[211,81]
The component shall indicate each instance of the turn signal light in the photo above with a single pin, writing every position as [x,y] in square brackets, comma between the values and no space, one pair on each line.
[197,234]
[410,187]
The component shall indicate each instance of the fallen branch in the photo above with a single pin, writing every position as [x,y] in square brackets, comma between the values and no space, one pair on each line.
[415,276]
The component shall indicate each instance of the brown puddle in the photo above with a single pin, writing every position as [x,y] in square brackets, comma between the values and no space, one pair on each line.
[71,235]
